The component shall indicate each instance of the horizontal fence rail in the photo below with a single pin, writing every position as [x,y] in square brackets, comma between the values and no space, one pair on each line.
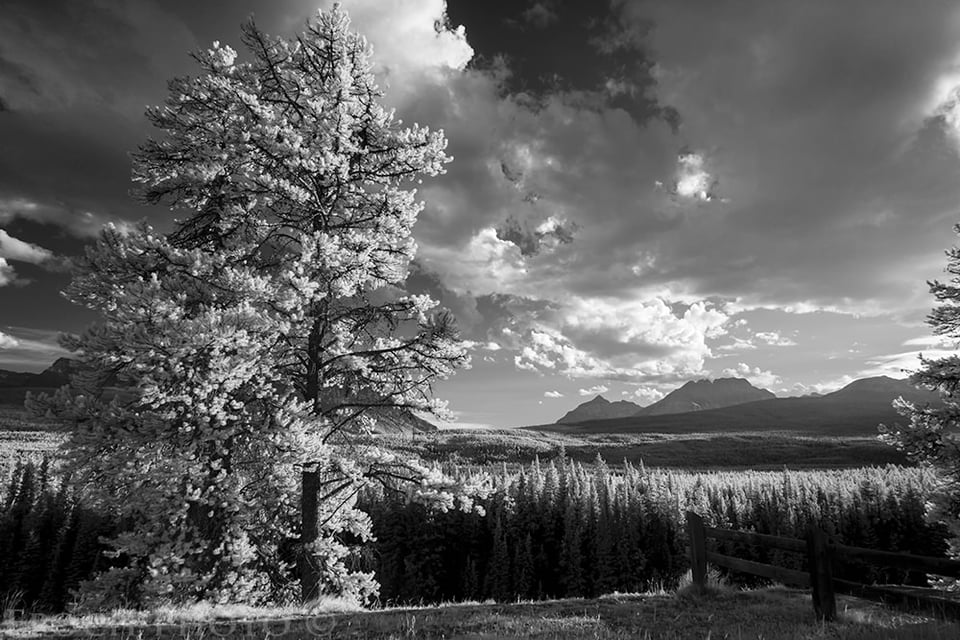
[907,561]
[780,574]
[758,539]
[821,554]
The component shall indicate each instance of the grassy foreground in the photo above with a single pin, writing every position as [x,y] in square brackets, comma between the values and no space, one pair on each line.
[774,613]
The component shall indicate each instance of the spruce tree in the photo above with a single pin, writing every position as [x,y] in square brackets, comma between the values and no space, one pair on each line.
[571,549]
[931,435]
[524,569]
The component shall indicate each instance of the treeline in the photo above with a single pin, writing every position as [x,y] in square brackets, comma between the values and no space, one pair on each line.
[564,529]
[552,529]
[49,542]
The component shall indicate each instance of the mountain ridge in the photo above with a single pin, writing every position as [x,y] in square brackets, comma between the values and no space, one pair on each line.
[599,408]
[700,395]
[694,395]
[855,410]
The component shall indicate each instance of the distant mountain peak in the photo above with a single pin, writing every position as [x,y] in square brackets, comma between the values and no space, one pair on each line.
[703,394]
[865,388]
[599,408]
[694,395]
[63,364]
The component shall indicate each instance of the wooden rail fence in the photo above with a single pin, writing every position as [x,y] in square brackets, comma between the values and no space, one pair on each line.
[821,553]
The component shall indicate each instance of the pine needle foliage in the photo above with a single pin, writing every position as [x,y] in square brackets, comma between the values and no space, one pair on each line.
[261,336]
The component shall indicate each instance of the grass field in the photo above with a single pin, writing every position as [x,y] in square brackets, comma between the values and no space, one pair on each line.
[24,436]
[24,445]
[746,450]
[773,613]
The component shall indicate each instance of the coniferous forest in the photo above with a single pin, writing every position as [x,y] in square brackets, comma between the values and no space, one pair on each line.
[549,529]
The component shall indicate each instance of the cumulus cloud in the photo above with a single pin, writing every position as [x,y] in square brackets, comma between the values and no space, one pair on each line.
[7,341]
[7,273]
[692,180]
[486,265]
[13,249]
[552,394]
[949,114]
[594,390]
[757,376]
[738,344]
[615,340]
[80,223]
[774,339]
[414,44]
[821,388]
[645,396]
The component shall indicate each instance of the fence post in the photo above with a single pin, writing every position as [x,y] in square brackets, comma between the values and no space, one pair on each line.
[698,549]
[309,576]
[821,575]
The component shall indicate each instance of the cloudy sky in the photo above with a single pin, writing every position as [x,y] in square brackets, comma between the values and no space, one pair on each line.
[643,191]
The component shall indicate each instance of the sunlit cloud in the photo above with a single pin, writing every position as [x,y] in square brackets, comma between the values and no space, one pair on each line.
[644,396]
[7,273]
[22,348]
[774,339]
[414,44]
[80,223]
[949,113]
[755,375]
[13,249]
[594,390]
[738,344]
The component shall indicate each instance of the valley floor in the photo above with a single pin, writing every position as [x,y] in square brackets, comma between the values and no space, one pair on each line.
[22,436]
[771,613]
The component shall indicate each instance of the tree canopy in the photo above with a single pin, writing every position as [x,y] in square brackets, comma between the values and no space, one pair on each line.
[932,435]
[265,333]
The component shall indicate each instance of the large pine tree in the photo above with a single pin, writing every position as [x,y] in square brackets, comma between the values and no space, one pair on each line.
[262,335]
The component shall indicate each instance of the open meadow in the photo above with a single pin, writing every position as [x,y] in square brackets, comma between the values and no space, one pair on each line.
[27,437]
[772,613]
[727,450]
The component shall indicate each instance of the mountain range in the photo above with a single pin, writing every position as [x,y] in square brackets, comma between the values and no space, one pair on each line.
[14,386]
[854,410]
[696,395]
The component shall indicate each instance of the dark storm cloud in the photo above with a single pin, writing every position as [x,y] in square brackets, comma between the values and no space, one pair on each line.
[582,49]
[15,80]
[76,78]
[533,240]
[813,116]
